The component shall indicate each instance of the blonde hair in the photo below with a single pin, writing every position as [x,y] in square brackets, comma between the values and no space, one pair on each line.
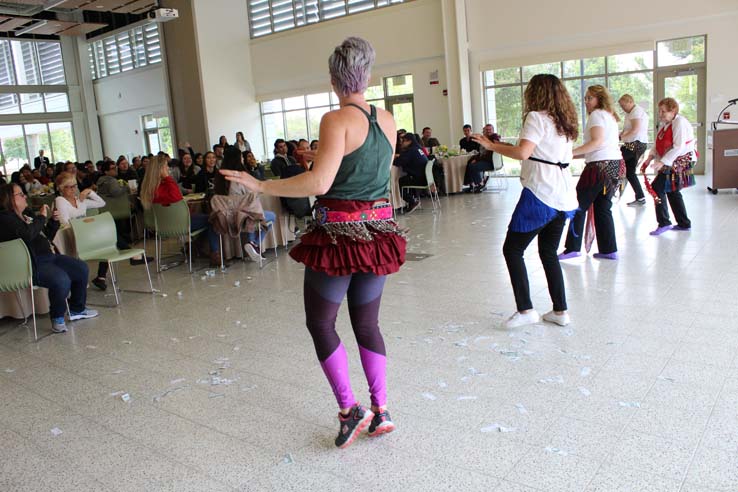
[627,98]
[670,104]
[604,100]
[151,180]
[64,178]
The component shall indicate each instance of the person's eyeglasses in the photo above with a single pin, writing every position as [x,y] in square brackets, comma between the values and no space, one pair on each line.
[20,194]
[69,186]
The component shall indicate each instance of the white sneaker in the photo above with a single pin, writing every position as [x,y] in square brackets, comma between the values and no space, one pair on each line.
[522,319]
[559,319]
[252,253]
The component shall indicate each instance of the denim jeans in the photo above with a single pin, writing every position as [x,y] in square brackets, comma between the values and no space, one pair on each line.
[269,216]
[200,221]
[63,275]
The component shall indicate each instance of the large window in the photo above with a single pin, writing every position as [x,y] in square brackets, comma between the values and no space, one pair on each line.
[124,51]
[270,16]
[32,84]
[158,134]
[293,118]
[20,144]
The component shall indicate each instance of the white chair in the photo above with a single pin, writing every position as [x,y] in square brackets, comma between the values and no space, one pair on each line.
[431,186]
[271,226]
[497,181]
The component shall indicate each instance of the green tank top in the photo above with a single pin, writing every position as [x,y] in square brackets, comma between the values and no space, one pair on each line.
[364,174]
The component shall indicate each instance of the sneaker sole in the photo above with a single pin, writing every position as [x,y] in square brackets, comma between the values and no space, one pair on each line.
[384,428]
[363,424]
[79,317]
[556,322]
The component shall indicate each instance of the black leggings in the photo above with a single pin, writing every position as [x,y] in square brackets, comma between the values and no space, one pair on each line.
[675,201]
[604,223]
[549,237]
[631,163]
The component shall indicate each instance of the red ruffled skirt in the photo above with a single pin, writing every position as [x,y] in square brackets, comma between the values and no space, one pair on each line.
[345,248]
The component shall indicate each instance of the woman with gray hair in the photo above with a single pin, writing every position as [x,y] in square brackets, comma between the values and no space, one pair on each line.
[353,242]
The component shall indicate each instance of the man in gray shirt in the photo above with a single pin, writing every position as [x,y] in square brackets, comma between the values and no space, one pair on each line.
[107,184]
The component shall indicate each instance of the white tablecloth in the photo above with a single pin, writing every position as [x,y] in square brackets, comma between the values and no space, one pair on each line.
[454,169]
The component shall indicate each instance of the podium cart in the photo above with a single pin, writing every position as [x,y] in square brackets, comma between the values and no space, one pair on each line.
[724,159]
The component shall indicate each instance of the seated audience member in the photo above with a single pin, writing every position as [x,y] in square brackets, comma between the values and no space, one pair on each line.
[136,163]
[175,171]
[412,160]
[428,140]
[159,187]
[199,160]
[124,170]
[314,145]
[299,154]
[477,164]
[466,143]
[86,177]
[73,205]
[218,149]
[48,176]
[285,166]
[208,174]
[282,160]
[253,167]
[189,174]
[30,184]
[141,171]
[233,160]
[241,143]
[398,142]
[223,142]
[108,185]
[64,276]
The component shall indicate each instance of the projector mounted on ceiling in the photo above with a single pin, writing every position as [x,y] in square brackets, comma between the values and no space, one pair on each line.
[163,15]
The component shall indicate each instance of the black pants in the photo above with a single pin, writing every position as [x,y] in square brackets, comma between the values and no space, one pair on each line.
[549,237]
[474,171]
[631,165]
[410,180]
[604,224]
[676,202]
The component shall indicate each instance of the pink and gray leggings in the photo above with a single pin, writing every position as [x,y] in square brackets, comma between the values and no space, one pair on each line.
[323,296]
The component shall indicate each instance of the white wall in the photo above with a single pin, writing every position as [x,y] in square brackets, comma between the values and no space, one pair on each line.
[121,102]
[408,39]
[225,71]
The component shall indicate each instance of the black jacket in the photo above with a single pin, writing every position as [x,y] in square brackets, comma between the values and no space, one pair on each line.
[468,145]
[37,234]
[412,161]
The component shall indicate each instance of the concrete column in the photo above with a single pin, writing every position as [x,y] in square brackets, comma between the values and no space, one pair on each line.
[457,66]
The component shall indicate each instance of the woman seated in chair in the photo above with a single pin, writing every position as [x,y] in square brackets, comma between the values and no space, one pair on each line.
[412,160]
[159,187]
[72,205]
[233,160]
[64,276]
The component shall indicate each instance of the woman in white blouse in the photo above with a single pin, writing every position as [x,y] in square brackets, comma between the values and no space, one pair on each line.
[69,204]
[602,176]
[673,158]
[635,141]
[241,142]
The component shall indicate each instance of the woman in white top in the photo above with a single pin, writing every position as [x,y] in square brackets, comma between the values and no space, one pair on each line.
[69,204]
[241,142]
[602,176]
[673,158]
[635,141]
[548,197]
[72,206]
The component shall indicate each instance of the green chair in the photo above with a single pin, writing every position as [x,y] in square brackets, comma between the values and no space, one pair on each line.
[91,212]
[431,186]
[17,274]
[173,221]
[120,208]
[96,241]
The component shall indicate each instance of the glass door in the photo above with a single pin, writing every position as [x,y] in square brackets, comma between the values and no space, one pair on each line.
[403,109]
[687,86]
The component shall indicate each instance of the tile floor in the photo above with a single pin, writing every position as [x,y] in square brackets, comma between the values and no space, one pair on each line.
[640,393]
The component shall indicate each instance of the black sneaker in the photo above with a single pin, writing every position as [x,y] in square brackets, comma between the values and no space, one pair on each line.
[352,425]
[99,283]
[381,424]
[140,261]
